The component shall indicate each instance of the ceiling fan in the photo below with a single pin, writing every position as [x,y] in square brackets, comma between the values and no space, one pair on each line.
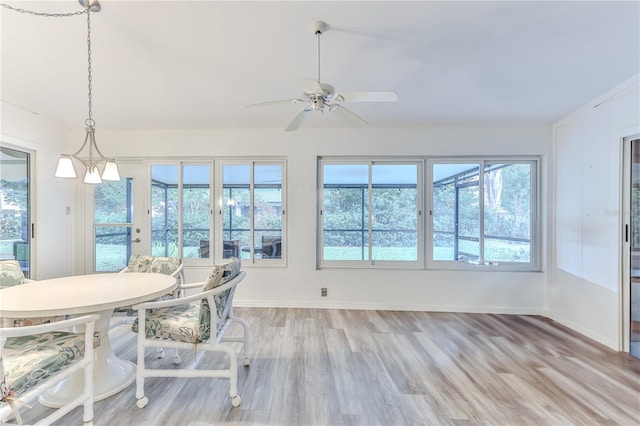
[323,97]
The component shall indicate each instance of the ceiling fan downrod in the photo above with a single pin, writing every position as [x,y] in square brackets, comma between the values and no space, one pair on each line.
[319,27]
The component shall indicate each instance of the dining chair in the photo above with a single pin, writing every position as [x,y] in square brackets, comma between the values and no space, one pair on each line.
[196,322]
[10,275]
[34,359]
[152,264]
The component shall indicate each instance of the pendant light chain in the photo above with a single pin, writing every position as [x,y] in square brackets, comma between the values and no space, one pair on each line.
[89,122]
[47,15]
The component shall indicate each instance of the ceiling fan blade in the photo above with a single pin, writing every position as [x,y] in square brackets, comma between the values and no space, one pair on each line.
[311,86]
[382,96]
[297,120]
[350,116]
[282,101]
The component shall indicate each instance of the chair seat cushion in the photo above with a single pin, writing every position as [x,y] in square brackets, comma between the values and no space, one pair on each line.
[28,360]
[176,322]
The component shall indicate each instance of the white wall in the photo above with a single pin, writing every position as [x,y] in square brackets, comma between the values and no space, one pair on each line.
[585,273]
[299,284]
[46,138]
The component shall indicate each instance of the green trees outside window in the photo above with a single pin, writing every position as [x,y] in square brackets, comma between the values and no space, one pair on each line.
[497,228]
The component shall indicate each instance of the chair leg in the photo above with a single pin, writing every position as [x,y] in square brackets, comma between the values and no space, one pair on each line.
[142,400]
[245,338]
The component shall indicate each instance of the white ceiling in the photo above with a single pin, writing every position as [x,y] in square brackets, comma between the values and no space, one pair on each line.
[195,64]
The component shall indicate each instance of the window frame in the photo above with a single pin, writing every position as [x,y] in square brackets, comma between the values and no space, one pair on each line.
[534,264]
[220,190]
[180,164]
[371,263]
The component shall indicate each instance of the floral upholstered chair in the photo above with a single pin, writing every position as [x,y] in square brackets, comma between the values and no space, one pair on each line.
[197,322]
[154,264]
[11,275]
[162,265]
[33,359]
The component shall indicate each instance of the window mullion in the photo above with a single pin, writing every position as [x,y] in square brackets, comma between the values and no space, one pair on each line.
[252,210]
[370,211]
[180,213]
[481,206]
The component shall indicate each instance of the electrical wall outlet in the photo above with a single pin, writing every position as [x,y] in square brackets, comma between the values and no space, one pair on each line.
[323,292]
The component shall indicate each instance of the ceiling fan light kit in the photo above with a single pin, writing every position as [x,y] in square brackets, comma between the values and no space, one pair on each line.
[322,97]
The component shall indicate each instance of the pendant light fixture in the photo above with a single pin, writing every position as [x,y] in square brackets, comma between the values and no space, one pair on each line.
[91,165]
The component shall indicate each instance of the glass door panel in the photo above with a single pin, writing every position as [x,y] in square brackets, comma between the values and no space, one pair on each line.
[15,240]
[164,211]
[634,326]
[117,230]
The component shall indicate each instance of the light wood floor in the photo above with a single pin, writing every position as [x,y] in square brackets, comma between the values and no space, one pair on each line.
[344,367]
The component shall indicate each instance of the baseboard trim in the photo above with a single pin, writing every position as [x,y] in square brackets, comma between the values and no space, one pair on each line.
[612,344]
[518,310]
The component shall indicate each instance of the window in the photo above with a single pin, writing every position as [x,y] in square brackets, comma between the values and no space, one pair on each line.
[370,213]
[181,210]
[484,218]
[252,211]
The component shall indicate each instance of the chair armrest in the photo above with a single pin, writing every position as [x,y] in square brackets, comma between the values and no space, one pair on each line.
[188,299]
[190,286]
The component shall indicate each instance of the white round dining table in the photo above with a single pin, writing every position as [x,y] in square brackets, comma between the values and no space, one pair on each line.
[83,294]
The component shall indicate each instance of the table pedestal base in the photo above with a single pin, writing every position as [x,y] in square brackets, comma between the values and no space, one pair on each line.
[110,374]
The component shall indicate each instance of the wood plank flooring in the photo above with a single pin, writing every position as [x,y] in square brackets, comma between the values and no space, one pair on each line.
[356,367]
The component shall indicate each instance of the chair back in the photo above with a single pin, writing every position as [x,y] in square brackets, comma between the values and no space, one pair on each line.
[155,264]
[11,273]
[230,248]
[271,247]
[220,274]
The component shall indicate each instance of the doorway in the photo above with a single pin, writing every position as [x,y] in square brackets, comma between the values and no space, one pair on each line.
[15,208]
[116,220]
[633,239]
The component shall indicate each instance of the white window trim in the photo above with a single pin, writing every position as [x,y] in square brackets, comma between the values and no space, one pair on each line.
[370,264]
[252,161]
[535,263]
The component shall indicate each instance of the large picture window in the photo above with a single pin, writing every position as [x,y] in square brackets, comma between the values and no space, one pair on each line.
[484,213]
[370,213]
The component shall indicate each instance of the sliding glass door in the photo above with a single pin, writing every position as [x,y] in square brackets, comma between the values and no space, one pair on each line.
[15,208]
[633,236]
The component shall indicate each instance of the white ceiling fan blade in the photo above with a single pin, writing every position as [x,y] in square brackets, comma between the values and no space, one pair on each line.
[350,116]
[311,86]
[382,96]
[282,101]
[297,120]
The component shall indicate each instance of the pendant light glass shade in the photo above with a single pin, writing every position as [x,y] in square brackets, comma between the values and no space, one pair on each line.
[65,168]
[92,175]
[110,171]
